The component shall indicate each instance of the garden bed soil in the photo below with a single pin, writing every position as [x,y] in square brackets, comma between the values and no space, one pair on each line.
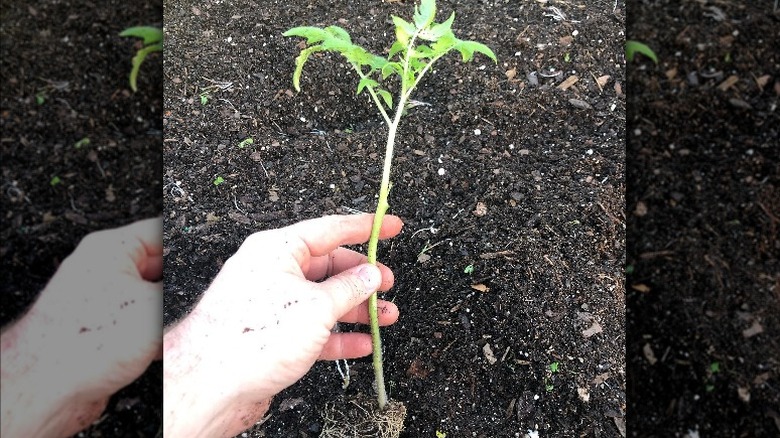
[703,207]
[512,169]
[64,77]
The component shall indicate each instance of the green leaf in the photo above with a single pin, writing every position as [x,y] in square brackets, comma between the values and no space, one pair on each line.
[81,143]
[339,33]
[149,34]
[218,180]
[357,55]
[300,61]
[395,48]
[366,82]
[387,97]
[245,142]
[390,68]
[312,34]
[423,51]
[424,13]
[337,45]
[634,47]
[403,30]
[417,66]
[445,43]
[438,30]
[468,48]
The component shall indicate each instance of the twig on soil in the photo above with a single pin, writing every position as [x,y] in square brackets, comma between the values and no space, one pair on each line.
[768,212]
[608,213]
[431,229]
[351,210]
[235,202]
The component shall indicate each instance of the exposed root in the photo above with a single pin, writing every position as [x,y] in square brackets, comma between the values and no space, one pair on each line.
[362,419]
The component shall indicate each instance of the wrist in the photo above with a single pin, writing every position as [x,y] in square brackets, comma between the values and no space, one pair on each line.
[201,398]
[192,403]
[36,399]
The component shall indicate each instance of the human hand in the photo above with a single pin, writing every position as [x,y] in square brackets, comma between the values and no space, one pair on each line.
[264,321]
[93,330]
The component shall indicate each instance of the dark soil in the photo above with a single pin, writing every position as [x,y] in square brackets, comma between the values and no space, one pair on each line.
[704,209]
[532,198]
[63,77]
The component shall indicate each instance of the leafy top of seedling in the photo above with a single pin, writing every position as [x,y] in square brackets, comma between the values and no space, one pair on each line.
[418,45]
[149,34]
[152,42]
[81,143]
[634,47]
[245,142]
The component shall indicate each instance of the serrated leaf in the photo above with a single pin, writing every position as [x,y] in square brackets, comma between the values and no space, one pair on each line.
[416,65]
[358,55]
[438,30]
[424,13]
[148,34]
[312,34]
[337,45]
[387,97]
[377,62]
[390,68]
[300,61]
[395,48]
[468,48]
[339,33]
[403,30]
[444,43]
[366,82]
[634,47]
[422,51]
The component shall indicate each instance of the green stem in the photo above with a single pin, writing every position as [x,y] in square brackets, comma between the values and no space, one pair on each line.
[381,209]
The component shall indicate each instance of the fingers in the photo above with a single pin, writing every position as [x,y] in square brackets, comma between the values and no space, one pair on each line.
[386,311]
[350,288]
[323,235]
[346,346]
[145,240]
[340,260]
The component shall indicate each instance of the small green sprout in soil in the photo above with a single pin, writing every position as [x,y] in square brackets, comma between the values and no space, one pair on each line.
[152,41]
[418,45]
[715,367]
[712,370]
[246,142]
[204,98]
[55,180]
[81,143]
[469,269]
[40,98]
[218,180]
[553,368]
[634,47]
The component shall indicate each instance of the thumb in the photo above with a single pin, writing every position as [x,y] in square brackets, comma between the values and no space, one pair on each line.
[351,287]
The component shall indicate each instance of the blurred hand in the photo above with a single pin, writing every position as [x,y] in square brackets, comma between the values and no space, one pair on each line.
[265,320]
[93,330]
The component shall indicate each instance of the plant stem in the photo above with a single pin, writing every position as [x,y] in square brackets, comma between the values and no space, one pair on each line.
[381,209]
